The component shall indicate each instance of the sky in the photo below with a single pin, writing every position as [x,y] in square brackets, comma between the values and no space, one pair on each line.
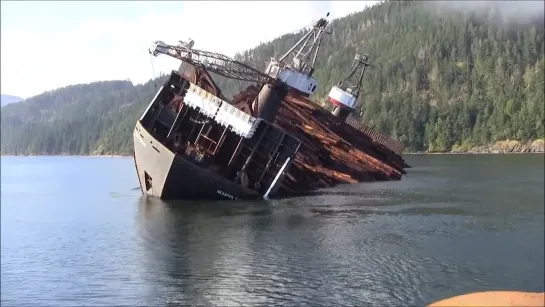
[46,44]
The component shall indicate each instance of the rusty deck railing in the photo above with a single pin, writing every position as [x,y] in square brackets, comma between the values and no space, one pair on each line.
[375,135]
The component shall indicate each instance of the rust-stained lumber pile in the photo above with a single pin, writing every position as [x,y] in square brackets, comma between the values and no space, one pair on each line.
[331,152]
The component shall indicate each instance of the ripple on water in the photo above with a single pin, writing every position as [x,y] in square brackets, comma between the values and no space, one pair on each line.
[321,254]
[434,234]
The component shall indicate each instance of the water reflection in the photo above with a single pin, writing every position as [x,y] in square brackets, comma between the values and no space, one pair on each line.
[203,254]
[265,253]
[402,243]
[453,225]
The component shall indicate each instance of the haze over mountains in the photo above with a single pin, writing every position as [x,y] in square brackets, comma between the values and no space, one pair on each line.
[445,75]
[7,99]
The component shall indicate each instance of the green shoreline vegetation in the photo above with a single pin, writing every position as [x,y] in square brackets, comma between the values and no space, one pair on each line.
[442,81]
[501,147]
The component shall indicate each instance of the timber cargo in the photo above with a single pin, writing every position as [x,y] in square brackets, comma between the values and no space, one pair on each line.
[270,140]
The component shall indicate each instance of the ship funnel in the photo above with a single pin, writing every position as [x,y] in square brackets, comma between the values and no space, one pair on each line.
[269,100]
[344,96]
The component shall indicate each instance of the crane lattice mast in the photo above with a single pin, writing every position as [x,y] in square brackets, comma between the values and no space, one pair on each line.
[353,81]
[307,46]
[344,96]
[297,72]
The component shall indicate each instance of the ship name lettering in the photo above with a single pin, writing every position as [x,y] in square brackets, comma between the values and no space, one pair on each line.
[220,192]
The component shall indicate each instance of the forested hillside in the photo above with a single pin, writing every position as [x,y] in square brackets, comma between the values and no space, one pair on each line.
[440,78]
[95,118]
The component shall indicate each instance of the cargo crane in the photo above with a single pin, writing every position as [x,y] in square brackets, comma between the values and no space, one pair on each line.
[298,73]
[197,63]
[209,61]
[344,96]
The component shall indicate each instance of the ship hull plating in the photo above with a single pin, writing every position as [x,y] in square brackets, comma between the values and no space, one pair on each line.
[165,175]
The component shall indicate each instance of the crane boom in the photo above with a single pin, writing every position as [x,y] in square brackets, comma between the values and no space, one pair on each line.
[297,74]
[308,45]
[353,81]
[344,96]
[213,62]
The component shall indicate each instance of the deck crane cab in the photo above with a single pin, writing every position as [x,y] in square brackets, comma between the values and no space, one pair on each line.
[297,74]
[344,96]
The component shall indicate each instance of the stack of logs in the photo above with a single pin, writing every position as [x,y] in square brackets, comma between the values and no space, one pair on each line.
[331,152]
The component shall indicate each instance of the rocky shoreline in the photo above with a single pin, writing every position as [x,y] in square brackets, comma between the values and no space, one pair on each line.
[509,146]
[500,147]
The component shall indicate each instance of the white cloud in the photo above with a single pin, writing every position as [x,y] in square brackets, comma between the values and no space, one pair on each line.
[41,55]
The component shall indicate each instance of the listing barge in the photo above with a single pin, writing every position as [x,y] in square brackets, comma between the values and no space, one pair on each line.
[268,141]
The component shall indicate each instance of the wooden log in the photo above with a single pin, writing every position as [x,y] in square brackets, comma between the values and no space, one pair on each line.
[333,152]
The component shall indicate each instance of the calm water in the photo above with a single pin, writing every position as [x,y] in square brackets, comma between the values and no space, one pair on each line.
[75,231]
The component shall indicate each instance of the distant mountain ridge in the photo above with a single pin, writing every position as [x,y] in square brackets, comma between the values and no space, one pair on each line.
[441,80]
[7,99]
